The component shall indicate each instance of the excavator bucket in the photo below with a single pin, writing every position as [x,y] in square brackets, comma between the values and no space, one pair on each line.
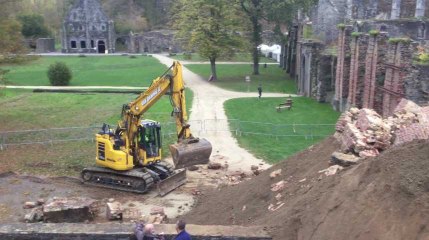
[169,184]
[191,152]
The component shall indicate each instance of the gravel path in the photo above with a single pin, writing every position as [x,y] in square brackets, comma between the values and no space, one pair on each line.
[208,105]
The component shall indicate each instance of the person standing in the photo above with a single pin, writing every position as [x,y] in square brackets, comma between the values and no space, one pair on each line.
[260,90]
[181,232]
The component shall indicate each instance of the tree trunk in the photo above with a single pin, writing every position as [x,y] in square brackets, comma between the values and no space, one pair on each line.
[213,67]
[256,41]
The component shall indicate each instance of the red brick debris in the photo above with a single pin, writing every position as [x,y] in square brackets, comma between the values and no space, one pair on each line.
[365,133]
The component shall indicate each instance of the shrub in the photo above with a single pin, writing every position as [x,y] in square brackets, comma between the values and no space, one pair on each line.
[424,58]
[59,74]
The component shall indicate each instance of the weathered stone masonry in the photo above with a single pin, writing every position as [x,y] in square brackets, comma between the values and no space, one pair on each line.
[86,29]
[373,69]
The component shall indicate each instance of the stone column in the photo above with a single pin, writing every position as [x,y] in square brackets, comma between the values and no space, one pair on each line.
[111,36]
[396,9]
[398,66]
[370,72]
[343,67]
[64,40]
[420,8]
[354,68]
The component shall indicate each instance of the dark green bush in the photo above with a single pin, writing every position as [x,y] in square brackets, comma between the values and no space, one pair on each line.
[59,74]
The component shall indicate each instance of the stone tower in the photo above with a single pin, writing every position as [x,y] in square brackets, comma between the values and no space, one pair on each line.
[87,29]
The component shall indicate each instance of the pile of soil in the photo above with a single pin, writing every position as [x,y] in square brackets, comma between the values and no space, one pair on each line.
[386,197]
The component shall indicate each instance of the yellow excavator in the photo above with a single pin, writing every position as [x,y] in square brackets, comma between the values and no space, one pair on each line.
[128,158]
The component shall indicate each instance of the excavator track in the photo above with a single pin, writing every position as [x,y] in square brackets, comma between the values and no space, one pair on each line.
[135,180]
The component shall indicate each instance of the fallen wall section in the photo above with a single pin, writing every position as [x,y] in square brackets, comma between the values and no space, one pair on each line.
[72,231]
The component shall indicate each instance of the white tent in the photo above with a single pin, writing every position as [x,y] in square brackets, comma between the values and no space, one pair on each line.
[273,51]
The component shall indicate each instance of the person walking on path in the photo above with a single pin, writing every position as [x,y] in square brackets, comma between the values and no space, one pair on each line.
[260,90]
[181,232]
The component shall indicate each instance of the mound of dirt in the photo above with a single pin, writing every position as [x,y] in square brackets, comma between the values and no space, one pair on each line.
[386,197]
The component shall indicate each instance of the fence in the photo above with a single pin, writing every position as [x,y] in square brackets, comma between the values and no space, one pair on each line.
[199,127]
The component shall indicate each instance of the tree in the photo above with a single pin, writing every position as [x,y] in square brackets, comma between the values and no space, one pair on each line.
[59,74]
[275,11]
[11,41]
[33,26]
[210,27]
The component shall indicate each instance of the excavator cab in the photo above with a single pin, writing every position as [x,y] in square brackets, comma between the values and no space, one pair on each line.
[149,139]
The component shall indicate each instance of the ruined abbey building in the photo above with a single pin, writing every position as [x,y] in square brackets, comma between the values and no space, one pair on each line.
[361,53]
[87,29]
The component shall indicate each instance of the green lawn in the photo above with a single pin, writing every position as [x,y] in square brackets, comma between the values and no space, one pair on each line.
[263,129]
[240,57]
[89,71]
[232,77]
[25,110]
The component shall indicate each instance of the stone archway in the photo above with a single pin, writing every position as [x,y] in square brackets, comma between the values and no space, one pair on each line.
[101,46]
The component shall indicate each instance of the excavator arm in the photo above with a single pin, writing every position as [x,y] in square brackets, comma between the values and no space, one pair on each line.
[189,150]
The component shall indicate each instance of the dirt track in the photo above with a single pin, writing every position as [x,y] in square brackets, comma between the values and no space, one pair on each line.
[386,197]
[208,105]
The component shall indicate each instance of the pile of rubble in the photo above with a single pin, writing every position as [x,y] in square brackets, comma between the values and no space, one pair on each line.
[364,133]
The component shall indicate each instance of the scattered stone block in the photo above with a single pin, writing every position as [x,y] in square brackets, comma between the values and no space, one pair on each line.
[157,210]
[332,170]
[278,186]
[28,205]
[344,160]
[35,215]
[193,168]
[273,207]
[254,167]
[132,213]
[157,219]
[302,180]
[71,210]
[40,201]
[275,173]
[369,153]
[214,166]
[114,211]
[256,172]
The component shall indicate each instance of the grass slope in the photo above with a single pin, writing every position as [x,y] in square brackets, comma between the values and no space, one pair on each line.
[232,77]
[89,71]
[252,112]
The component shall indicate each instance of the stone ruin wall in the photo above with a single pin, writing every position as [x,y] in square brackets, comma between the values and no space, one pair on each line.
[381,73]
[153,42]
[364,66]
